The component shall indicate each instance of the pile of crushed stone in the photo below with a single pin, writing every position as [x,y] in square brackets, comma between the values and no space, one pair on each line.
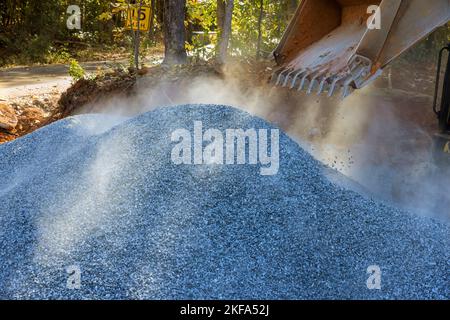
[100,195]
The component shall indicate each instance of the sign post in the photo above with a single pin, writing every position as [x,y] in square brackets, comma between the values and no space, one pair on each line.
[138,19]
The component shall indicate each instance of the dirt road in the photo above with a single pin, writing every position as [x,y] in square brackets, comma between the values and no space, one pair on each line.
[22,81]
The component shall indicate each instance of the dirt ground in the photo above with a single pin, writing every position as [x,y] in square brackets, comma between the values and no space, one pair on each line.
[34,92]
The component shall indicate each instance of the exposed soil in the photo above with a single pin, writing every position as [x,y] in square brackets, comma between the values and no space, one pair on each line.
[31,112]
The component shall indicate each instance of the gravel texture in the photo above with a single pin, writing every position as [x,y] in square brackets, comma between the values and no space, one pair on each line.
[102,194]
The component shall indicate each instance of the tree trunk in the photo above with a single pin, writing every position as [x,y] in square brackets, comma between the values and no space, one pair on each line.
[224,16]
[258,44]
[159,10]
[152,20]
[174,32]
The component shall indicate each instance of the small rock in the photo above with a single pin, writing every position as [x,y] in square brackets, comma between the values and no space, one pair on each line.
[33,113]
[8,119]
[38,103]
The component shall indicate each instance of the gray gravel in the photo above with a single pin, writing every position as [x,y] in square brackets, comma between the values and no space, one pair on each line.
[108,200]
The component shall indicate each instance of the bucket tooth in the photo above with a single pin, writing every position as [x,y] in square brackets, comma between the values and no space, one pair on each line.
[302,83]
[275,75]
[346,91]
[286,79]
[321,73]
[322,84]
[346,85]
[280,75]
[333,85]
[294,80]
[313,82]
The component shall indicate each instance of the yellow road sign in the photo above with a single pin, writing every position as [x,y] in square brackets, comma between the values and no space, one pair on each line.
[132,21]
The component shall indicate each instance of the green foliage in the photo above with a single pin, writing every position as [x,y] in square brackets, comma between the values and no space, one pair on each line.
[131,62]
[200,23]
[201,16]
[58,55]
[76,71]
[276,15]
[36,32]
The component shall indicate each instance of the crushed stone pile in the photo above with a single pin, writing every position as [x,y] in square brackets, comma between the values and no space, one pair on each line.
[95,200]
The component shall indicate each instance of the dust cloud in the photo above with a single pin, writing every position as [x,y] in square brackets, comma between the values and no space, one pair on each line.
[381,139]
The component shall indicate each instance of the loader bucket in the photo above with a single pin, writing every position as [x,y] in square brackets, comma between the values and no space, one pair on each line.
[337,45]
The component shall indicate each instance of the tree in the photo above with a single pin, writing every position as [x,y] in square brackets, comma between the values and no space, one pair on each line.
[152,20]
[224,17]
[260,17]
[174,32]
